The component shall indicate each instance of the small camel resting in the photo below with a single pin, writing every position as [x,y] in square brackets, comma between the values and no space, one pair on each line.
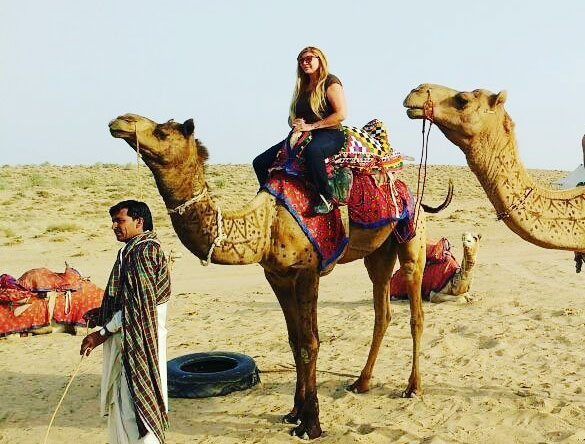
[444,280]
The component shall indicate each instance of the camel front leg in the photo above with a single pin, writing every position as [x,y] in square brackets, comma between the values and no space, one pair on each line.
[379,265]
[412,257]
[283,286]
[306,289]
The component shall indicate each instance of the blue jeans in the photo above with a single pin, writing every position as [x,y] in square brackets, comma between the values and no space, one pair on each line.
[324,143]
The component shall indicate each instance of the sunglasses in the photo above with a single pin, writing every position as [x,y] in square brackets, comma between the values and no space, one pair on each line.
[307,59]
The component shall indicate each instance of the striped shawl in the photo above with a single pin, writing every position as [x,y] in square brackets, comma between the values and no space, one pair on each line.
[138,283]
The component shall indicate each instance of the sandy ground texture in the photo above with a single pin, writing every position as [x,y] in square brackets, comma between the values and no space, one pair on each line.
[507,368]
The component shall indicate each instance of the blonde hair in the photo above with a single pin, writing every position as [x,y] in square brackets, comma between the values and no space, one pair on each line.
[318,95]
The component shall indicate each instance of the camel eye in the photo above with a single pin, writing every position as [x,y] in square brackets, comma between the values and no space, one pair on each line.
[460,101]
[159,133]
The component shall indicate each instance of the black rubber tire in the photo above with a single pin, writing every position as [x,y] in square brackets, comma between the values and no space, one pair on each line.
[213,374]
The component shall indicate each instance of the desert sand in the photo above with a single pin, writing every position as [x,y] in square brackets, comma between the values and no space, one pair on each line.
[506,368]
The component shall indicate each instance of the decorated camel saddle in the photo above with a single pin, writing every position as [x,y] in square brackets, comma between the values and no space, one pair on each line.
[362,176]
[41,296]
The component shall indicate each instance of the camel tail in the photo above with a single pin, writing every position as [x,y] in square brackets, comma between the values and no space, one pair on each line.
[445,203]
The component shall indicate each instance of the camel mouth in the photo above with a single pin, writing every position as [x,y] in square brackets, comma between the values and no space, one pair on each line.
[415,113]
[118,133]
[119,130]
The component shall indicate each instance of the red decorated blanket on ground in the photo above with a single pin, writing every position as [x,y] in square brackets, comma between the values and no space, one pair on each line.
[440,267]
[24,302]
[70,307]
[21,311]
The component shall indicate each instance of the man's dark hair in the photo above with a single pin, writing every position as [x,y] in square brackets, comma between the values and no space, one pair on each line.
[135,209]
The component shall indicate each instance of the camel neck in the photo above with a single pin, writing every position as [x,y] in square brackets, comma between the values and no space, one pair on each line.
[547,218]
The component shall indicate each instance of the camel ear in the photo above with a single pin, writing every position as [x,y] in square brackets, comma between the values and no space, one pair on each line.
[187,127]
[478,235]
[498,99]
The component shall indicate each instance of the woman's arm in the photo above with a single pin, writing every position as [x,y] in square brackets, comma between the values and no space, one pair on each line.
[337,100]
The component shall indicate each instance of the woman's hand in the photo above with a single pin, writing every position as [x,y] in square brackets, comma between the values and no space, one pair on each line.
[301,125]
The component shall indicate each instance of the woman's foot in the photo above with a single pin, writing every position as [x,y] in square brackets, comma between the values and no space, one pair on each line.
[324,207]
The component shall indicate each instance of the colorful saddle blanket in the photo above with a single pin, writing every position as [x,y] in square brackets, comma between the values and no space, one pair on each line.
[365,149]
[440,266]
[375,201]
[370,205]
[324,231]
[375,198]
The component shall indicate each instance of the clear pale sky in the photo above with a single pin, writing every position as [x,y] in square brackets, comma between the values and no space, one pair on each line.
[69,67]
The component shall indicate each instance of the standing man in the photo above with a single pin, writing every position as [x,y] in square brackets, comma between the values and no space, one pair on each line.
[133,316]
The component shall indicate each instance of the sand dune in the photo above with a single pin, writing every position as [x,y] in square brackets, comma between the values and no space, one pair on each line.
[507,368]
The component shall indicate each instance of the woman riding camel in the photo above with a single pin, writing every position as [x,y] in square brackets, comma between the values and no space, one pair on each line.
[318,106]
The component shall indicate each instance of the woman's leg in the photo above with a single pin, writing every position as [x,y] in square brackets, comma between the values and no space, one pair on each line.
[264,161]
[324,143]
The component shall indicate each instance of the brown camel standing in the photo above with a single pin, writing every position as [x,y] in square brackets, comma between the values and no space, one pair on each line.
[264,232]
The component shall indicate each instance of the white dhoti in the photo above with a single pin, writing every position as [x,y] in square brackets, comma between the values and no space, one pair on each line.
[116,400]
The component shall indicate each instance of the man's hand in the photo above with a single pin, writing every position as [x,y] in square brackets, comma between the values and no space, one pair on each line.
[91,341]
[92,317]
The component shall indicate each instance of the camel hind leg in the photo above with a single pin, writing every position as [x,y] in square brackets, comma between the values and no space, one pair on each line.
[412,256]
[379,264]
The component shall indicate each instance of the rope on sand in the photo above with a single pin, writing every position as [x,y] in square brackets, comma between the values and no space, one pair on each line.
[62,398]
[292,368]
[67,388]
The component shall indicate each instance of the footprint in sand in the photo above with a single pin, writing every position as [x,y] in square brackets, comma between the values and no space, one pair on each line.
[487,342]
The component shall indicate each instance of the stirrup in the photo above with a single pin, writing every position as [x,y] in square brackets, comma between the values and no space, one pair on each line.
[324,207]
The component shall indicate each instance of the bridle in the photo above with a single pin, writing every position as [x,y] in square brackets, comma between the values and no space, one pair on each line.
[221,236]
[515,205]
[428,114]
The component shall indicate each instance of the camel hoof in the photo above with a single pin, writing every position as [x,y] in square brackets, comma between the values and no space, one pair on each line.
[411,393]
[357,388]
[301,432]
[291,419]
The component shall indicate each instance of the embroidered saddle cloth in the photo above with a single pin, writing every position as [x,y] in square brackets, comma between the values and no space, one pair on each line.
[362,177]
[365,149]
[324,231]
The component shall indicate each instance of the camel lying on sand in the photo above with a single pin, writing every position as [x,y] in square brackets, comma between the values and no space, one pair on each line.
[443,279]
[264,232]
[460,283]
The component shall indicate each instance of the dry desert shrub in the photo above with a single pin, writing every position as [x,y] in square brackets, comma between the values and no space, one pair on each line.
[7,232]
[64,227]
[48,193]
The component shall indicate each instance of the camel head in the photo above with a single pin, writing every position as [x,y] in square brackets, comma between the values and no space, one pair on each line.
[464,117]
[160,144]
[470,244]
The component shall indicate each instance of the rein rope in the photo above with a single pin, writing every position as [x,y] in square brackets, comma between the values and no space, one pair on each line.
[428,113]
[138,156]
[221,236]
[515,205]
